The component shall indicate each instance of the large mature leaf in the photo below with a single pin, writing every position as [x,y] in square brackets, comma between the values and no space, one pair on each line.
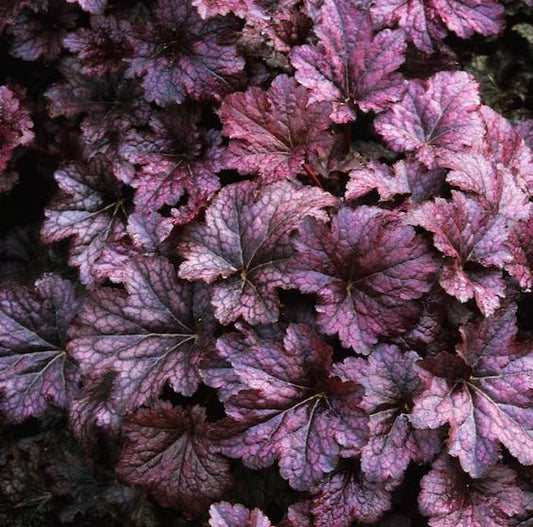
[367,270]
[436,115]
[288,407]
[244,246]
[390,382]
[154,333]
[452,499]
[274,132]
[178,54]
[89,209]
[475,241]
[485,394]
[422,20]
[35,369]
[168,452]
[351,66]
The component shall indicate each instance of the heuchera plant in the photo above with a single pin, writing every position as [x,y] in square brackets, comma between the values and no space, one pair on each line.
[264,263]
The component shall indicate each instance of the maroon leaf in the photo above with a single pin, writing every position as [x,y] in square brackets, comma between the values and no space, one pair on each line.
[474,240]
[225,514]
[451,498]
[436,115]
[486,400]
[245,244]
[269,136]
[155,333]
[89,208]
[346,496]
[367,270]
[351,66]
[288,406]
[168,452]
[35,369]
[178,55]
[15,127]
[390,381]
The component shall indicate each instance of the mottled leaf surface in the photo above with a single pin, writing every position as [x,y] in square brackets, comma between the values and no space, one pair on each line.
[484,394]
[468,234]
[153,333]
[225,514]
[168,451]
[178,54]
[244,246]
[290,408]
[436,115]
[366,270]
[35,369]
[350,66]
[391,383]
[451,498]
[270,133]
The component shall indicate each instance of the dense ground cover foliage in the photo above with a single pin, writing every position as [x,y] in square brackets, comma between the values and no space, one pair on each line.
[266,263]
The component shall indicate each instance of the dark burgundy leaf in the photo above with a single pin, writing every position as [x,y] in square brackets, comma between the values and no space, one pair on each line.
[35,368]
[367,270]
[269,136]
[245,244]
[168,452]
[451,498]
[436,115]
[351,66]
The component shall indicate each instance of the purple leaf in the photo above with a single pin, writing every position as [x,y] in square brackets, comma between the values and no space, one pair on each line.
[168,452]
[178,55]
[225,514]
[102,48]
[436,115]
[289,408]
[15,126]
[474,240]
[346,496]
[35,369]
[211,8]
[351,66]
[92,6]
[245,244]
[451,498]
[89,208]
[39,34]
[367,270]
[405,177]
[390,382]
[155,333]
[484,394]
[269,136]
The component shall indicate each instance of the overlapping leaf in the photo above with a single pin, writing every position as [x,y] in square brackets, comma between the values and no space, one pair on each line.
[153,334]
[367,270]
[178,55]
[391,383]
[269,136]
[436,115]
[35,368]
[351,66]
[484,394]
[225,514]
[288,407]
[169,452]
[451,498]
[474,240]
[244,246]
